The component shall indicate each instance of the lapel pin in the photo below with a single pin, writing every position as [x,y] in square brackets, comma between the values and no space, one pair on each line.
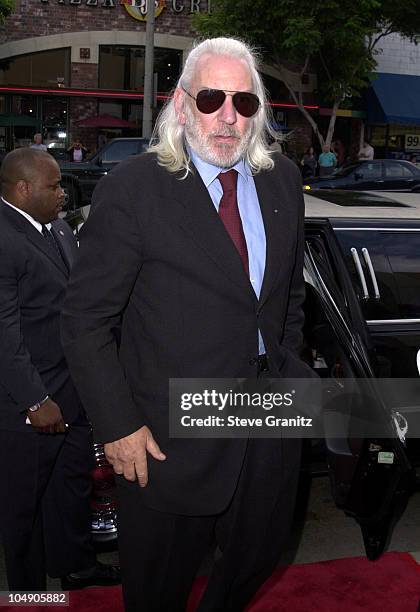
[61,232]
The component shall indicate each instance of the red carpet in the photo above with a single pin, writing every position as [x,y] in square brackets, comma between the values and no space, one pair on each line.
[391,584]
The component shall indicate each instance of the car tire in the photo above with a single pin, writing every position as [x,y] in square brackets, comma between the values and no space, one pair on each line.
[71,197]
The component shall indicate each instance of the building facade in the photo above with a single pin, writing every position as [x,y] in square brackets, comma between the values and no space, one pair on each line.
[65,61]
[393,99]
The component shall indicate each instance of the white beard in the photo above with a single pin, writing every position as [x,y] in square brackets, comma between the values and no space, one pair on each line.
[218,154]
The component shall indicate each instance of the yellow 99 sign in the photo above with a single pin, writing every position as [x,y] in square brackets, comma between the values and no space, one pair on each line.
[138,8]
[412,141]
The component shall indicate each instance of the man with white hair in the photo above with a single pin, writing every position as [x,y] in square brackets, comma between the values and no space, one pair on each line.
[194,251]
[38,144]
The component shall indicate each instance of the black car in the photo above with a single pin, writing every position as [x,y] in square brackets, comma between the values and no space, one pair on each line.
[79,179]
[362,272]
[362,310]
[376,174]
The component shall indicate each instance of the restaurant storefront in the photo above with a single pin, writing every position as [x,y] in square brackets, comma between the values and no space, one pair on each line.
[63,61]
[394,115]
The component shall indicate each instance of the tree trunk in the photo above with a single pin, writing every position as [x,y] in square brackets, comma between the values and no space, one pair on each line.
[331,125]
[297,98]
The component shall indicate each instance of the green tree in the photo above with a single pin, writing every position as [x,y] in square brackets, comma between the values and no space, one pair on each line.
[6,7]
[336,39]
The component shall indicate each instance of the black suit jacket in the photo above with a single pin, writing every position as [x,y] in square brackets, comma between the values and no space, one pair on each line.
[155,257]
[32,288]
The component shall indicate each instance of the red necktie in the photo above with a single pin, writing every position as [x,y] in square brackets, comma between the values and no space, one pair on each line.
[229,214]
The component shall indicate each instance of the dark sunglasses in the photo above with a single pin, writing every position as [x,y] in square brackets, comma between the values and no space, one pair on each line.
[210,100]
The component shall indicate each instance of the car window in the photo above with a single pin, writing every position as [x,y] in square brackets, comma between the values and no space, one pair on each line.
[407,171]
[396,170]
[345,170]
[403,251]
[395,257]
[117,151]
[143,145]
[370,170]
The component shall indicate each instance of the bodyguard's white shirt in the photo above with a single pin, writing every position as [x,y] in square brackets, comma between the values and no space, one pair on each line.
[37,225]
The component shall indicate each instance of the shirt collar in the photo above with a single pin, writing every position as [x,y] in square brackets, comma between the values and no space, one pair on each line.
[37,225]
[209,172]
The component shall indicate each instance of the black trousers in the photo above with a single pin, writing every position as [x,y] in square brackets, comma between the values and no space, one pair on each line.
[160,553]
[45,513]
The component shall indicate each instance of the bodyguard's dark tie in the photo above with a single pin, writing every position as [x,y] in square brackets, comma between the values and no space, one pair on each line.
[229,214]
[52,243]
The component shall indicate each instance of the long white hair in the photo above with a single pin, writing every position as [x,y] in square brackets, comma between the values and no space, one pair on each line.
[168,135]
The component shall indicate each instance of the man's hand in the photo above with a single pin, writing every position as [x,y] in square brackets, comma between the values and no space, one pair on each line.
[48,419]
[128,456]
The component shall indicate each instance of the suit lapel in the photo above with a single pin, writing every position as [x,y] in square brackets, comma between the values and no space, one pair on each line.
[34,236]
[41,243]
[63,245]
[273,200]
[203,224]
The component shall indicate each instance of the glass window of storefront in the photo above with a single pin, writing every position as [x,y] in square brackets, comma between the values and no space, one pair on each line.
[122,67]
[24,115]
[54,121]
[22,131]
[130,111]
[44,69]
[397,141]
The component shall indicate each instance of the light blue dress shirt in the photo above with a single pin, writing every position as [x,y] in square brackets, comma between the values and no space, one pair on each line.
[250,213]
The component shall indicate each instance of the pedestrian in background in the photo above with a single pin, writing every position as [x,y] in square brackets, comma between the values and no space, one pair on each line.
[366,151]
[309,163]
[339,151]
[327,161]
[46,453]
[77,152]
[38,144]
[178,265]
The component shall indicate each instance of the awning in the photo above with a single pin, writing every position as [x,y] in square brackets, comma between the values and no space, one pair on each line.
[12,119]
[394,98]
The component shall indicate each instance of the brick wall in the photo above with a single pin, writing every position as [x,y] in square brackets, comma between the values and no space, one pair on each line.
[36,18]
[84,76]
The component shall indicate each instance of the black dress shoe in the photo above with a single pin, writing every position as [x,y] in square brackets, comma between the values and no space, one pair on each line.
[100,575]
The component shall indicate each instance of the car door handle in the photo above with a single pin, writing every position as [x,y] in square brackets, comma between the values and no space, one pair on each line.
[369,264]
[360,273]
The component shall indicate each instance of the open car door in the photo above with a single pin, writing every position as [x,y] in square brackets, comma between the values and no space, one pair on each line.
[370,472]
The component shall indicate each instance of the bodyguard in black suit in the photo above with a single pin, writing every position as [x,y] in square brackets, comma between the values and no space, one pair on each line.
[45,437]
[204,274]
